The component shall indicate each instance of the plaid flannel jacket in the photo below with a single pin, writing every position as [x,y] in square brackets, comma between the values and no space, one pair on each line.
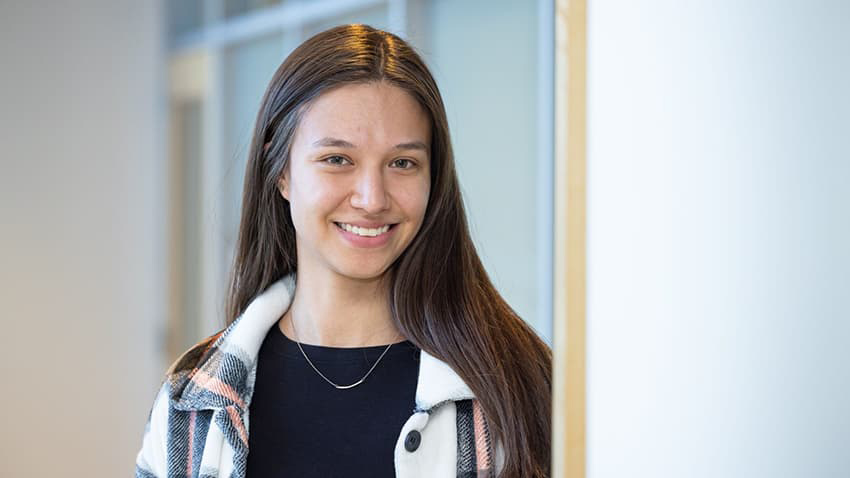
[199,424]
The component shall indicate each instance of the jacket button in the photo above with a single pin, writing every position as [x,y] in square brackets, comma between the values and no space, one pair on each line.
[411,442]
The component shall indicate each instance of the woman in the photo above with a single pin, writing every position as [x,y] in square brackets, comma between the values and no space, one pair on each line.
[364,336]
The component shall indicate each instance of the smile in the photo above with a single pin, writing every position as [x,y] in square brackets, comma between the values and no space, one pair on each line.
[363,231]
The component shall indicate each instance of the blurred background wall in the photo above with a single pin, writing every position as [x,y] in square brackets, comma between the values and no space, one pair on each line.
[125,128]
[718,307]
[82,249]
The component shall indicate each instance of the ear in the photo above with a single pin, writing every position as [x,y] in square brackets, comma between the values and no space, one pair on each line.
[283,184]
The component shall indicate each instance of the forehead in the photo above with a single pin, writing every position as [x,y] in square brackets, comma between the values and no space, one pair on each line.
[365,114]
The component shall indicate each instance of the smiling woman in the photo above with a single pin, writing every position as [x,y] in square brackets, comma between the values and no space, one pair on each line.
[365,338]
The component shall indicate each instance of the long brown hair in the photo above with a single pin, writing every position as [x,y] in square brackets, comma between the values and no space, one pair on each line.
[440,295]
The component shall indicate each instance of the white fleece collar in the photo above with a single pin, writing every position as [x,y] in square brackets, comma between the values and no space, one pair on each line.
[437,382]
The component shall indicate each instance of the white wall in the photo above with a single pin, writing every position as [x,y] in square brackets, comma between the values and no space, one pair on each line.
[81,247]
[718,232]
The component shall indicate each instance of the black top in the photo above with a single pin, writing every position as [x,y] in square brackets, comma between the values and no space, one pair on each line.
[300,425]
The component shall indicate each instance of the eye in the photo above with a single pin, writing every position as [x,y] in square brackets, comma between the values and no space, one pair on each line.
[403,163]
[336,160]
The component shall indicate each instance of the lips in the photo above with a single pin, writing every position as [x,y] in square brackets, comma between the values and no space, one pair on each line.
[366,224]
[366,238]
[365,229]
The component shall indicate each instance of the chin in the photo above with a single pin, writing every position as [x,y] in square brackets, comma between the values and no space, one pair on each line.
[362,273]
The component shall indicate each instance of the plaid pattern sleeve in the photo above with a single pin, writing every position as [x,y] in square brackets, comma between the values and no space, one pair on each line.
[150,460]
[174,439]
[173,444]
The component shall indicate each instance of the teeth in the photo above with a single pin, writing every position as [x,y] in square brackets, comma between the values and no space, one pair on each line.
[362,231]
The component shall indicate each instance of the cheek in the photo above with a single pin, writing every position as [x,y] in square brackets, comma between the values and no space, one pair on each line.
[414,200]
[313,198]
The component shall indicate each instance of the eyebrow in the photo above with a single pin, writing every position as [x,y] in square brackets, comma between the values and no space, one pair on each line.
[341,143]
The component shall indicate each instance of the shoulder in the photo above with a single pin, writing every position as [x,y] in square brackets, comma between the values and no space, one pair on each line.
[194,356]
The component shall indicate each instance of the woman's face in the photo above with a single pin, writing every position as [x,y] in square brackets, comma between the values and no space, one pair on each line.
[358,179]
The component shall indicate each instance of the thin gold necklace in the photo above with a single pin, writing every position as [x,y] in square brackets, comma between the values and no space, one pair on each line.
[339,387]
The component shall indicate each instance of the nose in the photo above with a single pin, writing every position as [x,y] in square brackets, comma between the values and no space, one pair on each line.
[370,192]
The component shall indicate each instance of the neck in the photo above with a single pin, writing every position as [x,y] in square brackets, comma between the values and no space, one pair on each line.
[335,311]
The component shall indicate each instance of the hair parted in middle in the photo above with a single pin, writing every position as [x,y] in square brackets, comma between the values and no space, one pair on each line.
[440,296]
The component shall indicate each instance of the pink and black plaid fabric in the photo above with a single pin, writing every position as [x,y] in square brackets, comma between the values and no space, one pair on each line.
[198,426]
[215,391]
[474,449]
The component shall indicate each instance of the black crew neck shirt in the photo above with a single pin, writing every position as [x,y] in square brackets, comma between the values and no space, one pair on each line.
[300,425]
